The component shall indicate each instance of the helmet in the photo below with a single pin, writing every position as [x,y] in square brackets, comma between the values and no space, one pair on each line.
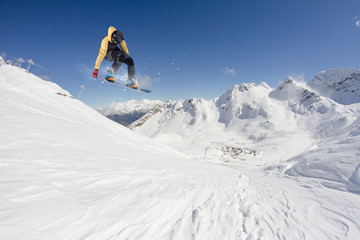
[117,37]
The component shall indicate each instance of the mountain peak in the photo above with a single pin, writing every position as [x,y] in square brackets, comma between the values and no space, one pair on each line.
[336,75]
[341,85]
[290,90]
[243,87]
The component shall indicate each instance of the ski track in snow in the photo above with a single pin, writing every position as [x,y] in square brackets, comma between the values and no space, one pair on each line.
[66,172]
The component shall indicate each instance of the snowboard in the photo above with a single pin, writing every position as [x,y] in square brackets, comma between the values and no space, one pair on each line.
[124,85]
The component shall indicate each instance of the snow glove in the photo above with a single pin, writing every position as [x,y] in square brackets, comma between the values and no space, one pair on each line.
[95,73]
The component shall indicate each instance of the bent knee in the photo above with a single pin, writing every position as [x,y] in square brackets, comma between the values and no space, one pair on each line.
[129,61]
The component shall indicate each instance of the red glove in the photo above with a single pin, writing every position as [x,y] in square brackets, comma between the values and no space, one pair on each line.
[95,73]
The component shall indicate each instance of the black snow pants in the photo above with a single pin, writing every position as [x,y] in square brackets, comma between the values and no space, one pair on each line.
[119,57]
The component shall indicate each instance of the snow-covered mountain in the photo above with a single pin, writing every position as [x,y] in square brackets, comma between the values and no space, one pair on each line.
[2,62]
[259,104]
[127,112]
[255,163]
[280,123]
[342,85]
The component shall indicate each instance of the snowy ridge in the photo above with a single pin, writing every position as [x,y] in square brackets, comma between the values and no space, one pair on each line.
[246,166]
[314,113]
[341,85]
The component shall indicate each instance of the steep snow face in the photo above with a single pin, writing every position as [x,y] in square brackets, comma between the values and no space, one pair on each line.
[244,102]
[319,116]
[341,85]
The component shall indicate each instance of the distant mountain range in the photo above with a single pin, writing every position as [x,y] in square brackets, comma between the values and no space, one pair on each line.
[340,85]
[128,112]
[262,108]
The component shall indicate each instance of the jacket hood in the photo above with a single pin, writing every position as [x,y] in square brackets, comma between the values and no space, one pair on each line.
[111,30]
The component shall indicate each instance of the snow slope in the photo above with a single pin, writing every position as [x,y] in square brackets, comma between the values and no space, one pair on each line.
[67,172]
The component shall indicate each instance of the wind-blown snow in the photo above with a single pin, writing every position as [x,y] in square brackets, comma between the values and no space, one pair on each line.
[67,172]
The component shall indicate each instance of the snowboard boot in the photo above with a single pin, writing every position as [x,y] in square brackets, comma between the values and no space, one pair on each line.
[110,77]
[132,83]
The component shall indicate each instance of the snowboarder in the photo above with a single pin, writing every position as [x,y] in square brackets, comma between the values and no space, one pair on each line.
[110,51]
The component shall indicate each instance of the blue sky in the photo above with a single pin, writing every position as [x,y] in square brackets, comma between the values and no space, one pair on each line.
[182,49]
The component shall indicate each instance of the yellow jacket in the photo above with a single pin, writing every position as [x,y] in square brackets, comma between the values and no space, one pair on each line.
[104,47]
